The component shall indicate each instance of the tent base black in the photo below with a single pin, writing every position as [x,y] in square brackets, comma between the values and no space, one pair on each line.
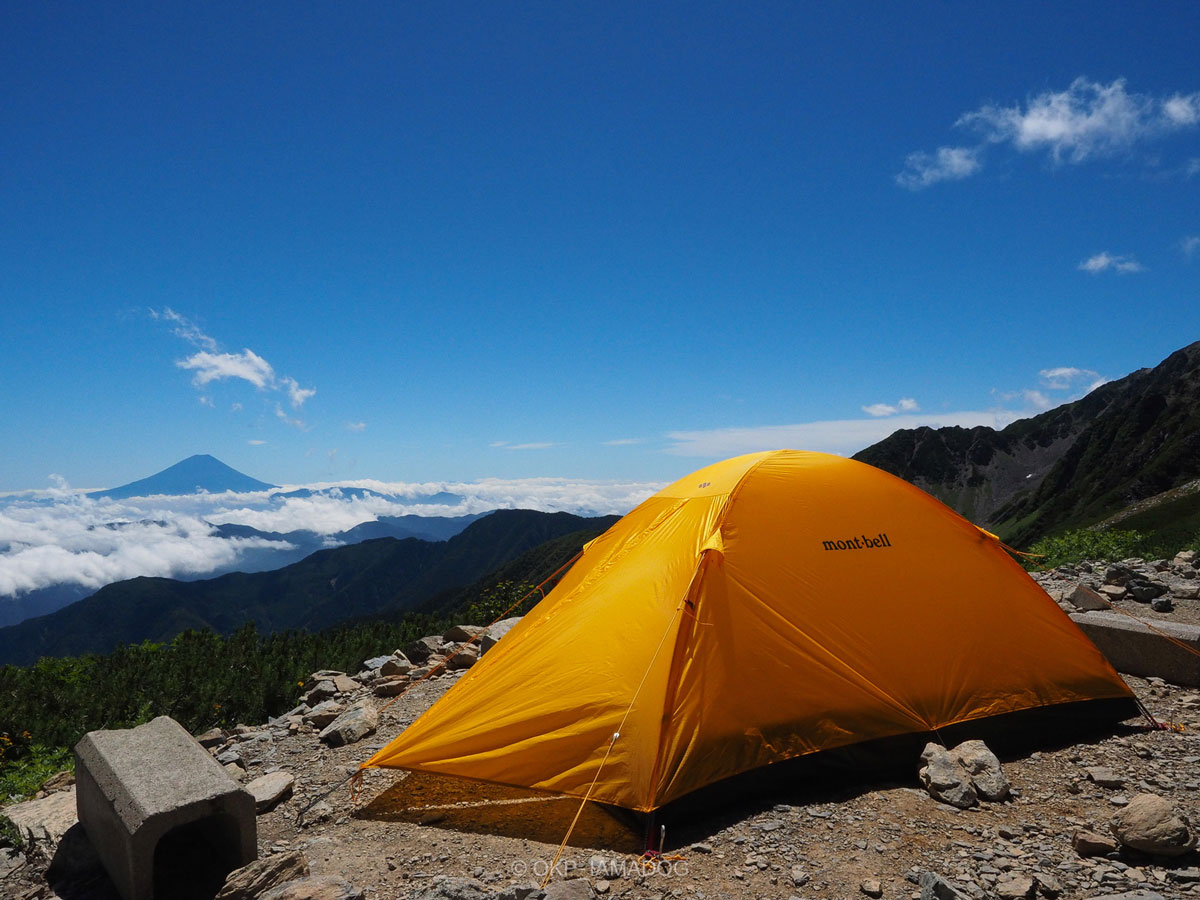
[840,774]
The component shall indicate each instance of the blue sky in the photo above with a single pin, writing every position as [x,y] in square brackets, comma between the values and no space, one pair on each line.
[599,241]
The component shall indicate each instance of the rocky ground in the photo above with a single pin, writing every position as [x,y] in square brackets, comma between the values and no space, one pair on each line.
[1158,590]
[823,837]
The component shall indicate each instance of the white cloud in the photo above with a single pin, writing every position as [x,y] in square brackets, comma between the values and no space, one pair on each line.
[1088,120]
[880,409]
[1192,167]
[844,436]
[296,393]
[255,443]
[623,442]
[59,536]
[184,328]
[532,445]
[1183,111]
[1102,262]
[285,418]
[1062,378]
[247,365]
[356,426]
[207,401]
[1190,244]
[1037,399]
[904,404]
[210,364]
[91,544]
[922,169]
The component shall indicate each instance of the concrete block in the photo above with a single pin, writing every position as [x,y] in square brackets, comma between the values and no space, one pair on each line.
[160,811]
[1134,649]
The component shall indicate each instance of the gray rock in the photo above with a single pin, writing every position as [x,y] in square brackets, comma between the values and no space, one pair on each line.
[1048,886]
[945,778]
[453,888]
[871,888]
[421,649]
[375,662]
[322,690]
[263,874]
[519,892]
[324,674]
[397,664]
[351,726]
[324,713]
[1185,558]
[1088,843]
[981,763]
[1104,777]
[214,737]
[45,820]
[344,684]
[494,632]
[1162,604]
[1144,591]
[1016,887]
[391,687]
[1083,597]
[271,790]
[1139,894]
[605,867]
[464,657]
[314,887]
[1152,824]
[461,633]
[570,889]
[935,887]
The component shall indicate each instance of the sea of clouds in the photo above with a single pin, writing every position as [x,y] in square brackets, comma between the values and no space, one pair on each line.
[64,537]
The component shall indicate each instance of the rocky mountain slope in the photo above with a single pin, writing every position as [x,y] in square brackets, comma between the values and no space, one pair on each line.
[1068,467]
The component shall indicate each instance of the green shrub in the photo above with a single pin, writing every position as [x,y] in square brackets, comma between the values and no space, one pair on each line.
[1073,547]
[22,774]
[505,598]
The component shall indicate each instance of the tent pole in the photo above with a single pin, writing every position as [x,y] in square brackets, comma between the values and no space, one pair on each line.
[649,836]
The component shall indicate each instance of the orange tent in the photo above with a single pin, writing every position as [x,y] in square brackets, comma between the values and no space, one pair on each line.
[762,608]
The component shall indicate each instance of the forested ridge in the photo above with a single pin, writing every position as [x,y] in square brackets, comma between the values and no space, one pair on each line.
[204,679]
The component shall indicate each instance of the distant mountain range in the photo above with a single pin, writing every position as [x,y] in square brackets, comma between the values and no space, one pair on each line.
[382,576]
[189,476]
[278,550]
[202,473]
[1123,445]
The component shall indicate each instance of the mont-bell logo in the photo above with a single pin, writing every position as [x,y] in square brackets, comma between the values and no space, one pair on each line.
[862,542]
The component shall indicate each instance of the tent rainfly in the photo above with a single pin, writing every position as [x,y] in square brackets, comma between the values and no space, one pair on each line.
[770,606]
